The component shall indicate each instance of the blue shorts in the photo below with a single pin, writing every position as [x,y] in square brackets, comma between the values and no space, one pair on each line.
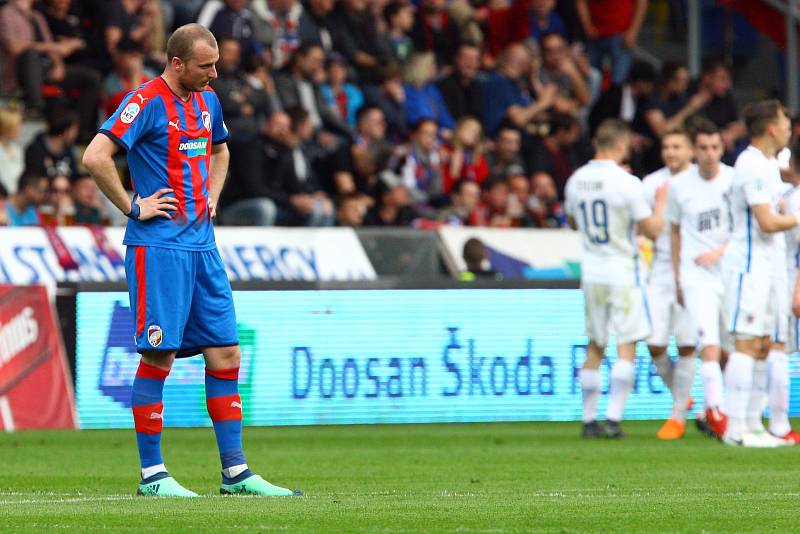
[180,300]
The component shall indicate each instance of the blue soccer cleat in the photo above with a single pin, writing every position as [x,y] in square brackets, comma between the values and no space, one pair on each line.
[163,485]
[250,484]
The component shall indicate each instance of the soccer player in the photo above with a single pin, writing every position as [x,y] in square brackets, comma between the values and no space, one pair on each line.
[606,203]
[668,315]
[749,272]
[698,214]
[175,138]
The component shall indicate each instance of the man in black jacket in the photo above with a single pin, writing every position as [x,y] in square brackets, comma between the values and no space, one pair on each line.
[462,91]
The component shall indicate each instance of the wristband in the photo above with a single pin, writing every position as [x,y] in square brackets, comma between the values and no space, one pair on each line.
[135,209]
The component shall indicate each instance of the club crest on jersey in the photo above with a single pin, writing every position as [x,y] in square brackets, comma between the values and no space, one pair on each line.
[154,335]
[193,147]
[129,113]
[207,120]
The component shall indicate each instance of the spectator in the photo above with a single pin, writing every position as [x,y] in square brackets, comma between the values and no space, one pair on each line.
[31,57]
[232,18]
[559,68]
[519,200]
[298,87]
[493,208]
[52,153]
[280,22]
[545,209]
[390,97]
[354,35]
[508,97]
[556,154]
[350,210]
[393,207]
[464,159]
[505,159]
[544,19]
[423,100]
[612,29]
[399,17]
[506,23]
[370,127]
[11,159]
[87,204]
[59,208]
[434,31]
[721,109]
[344,99]
[314,25]
[137,20]
[129,73]
[672,106]
[464,198]
[22,207]
[421,172]
[476,258]
[462,90]
[66,28]
[244,104]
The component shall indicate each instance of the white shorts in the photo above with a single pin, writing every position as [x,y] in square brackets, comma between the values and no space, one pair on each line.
[780,332]
[706,304]
[669,318]
[750,304]
[615,310]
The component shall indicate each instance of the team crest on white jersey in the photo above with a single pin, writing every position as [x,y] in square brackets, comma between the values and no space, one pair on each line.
[129,113]
[207,120]
[154,335]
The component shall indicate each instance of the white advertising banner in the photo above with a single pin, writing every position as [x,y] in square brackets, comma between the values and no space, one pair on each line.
[27,255]
[519,252]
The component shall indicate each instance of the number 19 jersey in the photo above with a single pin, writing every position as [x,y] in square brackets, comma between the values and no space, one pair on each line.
[606,202]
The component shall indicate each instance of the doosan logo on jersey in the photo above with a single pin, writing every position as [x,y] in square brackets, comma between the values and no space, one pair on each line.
[193,147]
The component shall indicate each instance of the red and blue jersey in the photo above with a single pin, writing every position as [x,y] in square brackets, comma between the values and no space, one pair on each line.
[168,142]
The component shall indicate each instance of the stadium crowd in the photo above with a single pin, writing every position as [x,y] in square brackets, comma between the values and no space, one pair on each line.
[353,112]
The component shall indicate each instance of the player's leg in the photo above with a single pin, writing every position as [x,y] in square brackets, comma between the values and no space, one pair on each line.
[630,320]
[596,316]
[683,373]
[660,298]
[157,334]
[211,327]
[778,362]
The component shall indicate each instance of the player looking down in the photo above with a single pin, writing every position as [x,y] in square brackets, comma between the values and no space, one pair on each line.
[175,138]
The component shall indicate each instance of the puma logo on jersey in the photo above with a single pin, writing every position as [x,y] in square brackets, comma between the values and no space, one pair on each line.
[175,124]
[235,404]
[141,99]
[156,415]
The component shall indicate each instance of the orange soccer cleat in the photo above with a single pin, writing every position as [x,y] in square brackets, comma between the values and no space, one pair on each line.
[717,421]
[672,429]
[791,438]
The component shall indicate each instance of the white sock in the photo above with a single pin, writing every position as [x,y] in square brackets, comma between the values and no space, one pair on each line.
[621,386]
[666,370]
[147,472]
[758,397]
[682,386]
[234,470]
[739,383]
[590,387]
[778,363]
[711,375]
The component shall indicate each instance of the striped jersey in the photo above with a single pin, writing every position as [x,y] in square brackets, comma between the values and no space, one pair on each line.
[168,142]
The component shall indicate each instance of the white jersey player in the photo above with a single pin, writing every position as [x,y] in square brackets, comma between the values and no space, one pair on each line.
[668,316]
[606,204]
[749,272]
[699,217]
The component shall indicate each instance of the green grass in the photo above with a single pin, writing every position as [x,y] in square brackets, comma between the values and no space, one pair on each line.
[527,477]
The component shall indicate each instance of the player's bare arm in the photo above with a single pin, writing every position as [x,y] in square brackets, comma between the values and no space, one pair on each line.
[220,156]
[675,238]
[771,222]
[99,160]
[651,226]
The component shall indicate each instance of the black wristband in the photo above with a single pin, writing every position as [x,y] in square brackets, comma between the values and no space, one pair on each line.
[135,209]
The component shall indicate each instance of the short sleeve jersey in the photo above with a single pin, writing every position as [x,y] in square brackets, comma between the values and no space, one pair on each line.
[700,208]
[792,207]
[756,180]
[168,142]
[606,202]
[662,248]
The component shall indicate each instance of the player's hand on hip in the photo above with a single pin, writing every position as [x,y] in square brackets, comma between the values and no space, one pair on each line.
[157,205]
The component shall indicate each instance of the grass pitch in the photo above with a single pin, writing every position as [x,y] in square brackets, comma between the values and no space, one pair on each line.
[526,477]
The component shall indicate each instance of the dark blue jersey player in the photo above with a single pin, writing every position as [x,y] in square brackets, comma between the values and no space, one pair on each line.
[175,139]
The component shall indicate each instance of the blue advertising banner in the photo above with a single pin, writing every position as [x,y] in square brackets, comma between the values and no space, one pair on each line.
[373,356]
